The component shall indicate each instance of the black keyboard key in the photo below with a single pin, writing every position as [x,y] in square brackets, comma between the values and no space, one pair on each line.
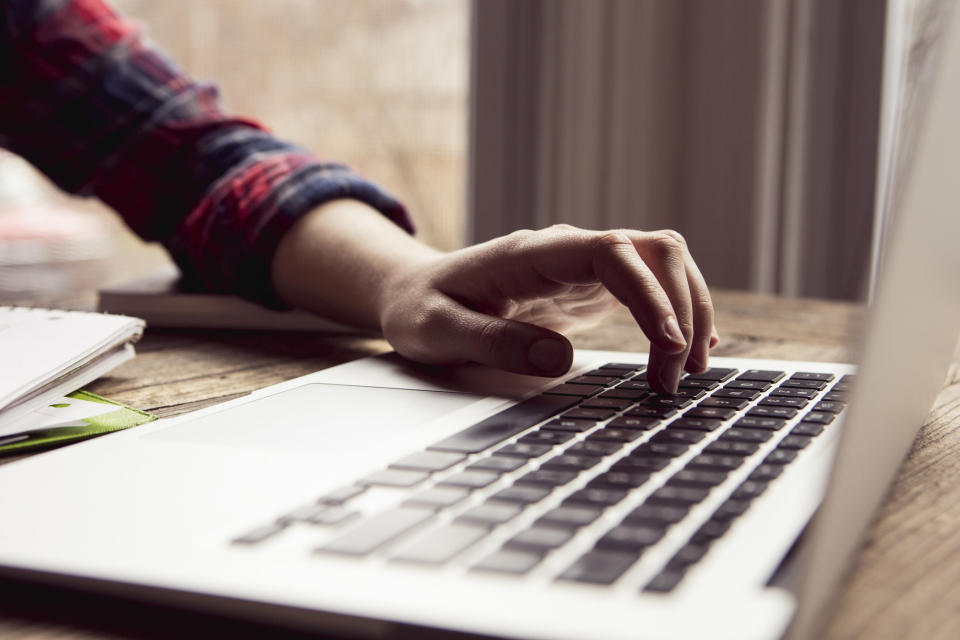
[437,497]
[523,494]
[691,383]
[571,515]
[829,407]
[674,402]
[598,497]
[794,442]
[613,404]
[599,567]
[737,434]
[731,509]
[665,581]
[766,472]
[805,384]
[595,381]
[663,449]
[570,462]
[644,411]
[835,396]
[791,392]
[341,495]
[658,515]
[634,422]
[641,463]
[714,373]
[749,490]
[547,436]
[395,478]
[700,424]
[777,401]
[762,411]
[751,385]
[631,538]
[806,375]
[547,477]
[591,447]
[672,495]
[690,553]
[491,514]
[819,417]
[567,424]
[740,394]
[691,394]
[624,366]
[589,414]
[732,448]
[498,463]
[761,375]
[441,545]
[574,390]
[811,429]
[688,436]
[505,424]
[626,394]
[471,479]
[510,561]
[715,462]
[718,413]
[429,461]
[613,434]
[376,531]
[540,539]
[710,531]
[703,478]
[621,479]
[524,450]
[724,403]
[754,422]
[780,456]
[636,384]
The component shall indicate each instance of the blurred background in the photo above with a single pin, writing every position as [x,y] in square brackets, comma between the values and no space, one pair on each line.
[754,127]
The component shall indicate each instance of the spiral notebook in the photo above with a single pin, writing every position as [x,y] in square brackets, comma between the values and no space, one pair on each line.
[45,354]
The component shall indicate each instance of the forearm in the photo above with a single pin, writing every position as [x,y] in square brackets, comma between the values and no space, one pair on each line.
[338,260]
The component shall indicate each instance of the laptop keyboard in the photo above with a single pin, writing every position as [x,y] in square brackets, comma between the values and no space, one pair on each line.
[588,480]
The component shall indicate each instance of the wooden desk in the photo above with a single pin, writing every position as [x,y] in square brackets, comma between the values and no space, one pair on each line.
[906,583]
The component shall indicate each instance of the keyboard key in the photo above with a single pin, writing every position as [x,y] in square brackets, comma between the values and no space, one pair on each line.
[593,447]
[675,402]
[766,472]
[571,515]
[610,373]
[715,462]
[260,534]
[644,411]
[589,414]
[567,424]
[794,442]
[732,448]
[437,497]
[835,396]
[598,497]
[613,434]
[704,478]
[751,385]
[738,434]
[498,463]
[725,403]
[819,417]
[376,531]
[807,429]
[731,509]
[341,495]
[637,384]
[624,366]
[719,413]
[663,449]
[634,422]
[714,373]
[665,581]
[322,514]
[710,531]
[671,495]
[524,450]
[440,545]
[749,490]
[505,424]
[626,394]
[780,456]
[527,494]
[599,567]
[776,401]
[761,375]
[428,461]
[395,478]
[621,479]
[570,462]
[753,422]
[595,381]
[689,554]
[688,436]
[547,477]
[491,514]
[641,463]
[511,561]
[633,538]
[614,404]
[691,394]
[790,392]
[657,514]
[805,375]
[805,384]
[762,411]
[574,390]
[691,383]
[830,407]
[547,437]
[741,394]
[701,424]
[472,479]
[540,538]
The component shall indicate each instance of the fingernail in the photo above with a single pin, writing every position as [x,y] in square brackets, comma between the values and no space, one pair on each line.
[670,374]
[549,356]
[672,330]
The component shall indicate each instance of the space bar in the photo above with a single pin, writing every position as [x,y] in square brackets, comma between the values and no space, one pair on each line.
[508,422]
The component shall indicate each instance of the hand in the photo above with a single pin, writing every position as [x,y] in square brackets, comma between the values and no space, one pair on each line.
[503,302]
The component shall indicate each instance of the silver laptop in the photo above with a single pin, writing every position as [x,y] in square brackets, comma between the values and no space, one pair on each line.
[378,496]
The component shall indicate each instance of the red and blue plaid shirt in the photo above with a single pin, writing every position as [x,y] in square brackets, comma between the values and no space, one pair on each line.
[100,113]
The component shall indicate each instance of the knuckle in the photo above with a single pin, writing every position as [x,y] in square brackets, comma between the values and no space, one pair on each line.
[613,240]
[676,236]
[666,247]
[563,227]
[431,318]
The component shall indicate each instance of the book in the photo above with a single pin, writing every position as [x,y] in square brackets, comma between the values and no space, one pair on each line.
[163,299]
[45,354]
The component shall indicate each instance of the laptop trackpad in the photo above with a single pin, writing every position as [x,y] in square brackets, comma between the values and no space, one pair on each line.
[320,417]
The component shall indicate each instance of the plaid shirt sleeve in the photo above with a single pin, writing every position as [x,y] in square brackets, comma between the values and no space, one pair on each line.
[88,103]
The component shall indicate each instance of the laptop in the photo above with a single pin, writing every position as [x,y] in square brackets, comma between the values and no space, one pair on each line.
[381,497]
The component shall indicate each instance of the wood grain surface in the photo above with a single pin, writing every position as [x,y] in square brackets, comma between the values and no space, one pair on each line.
[904,584]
